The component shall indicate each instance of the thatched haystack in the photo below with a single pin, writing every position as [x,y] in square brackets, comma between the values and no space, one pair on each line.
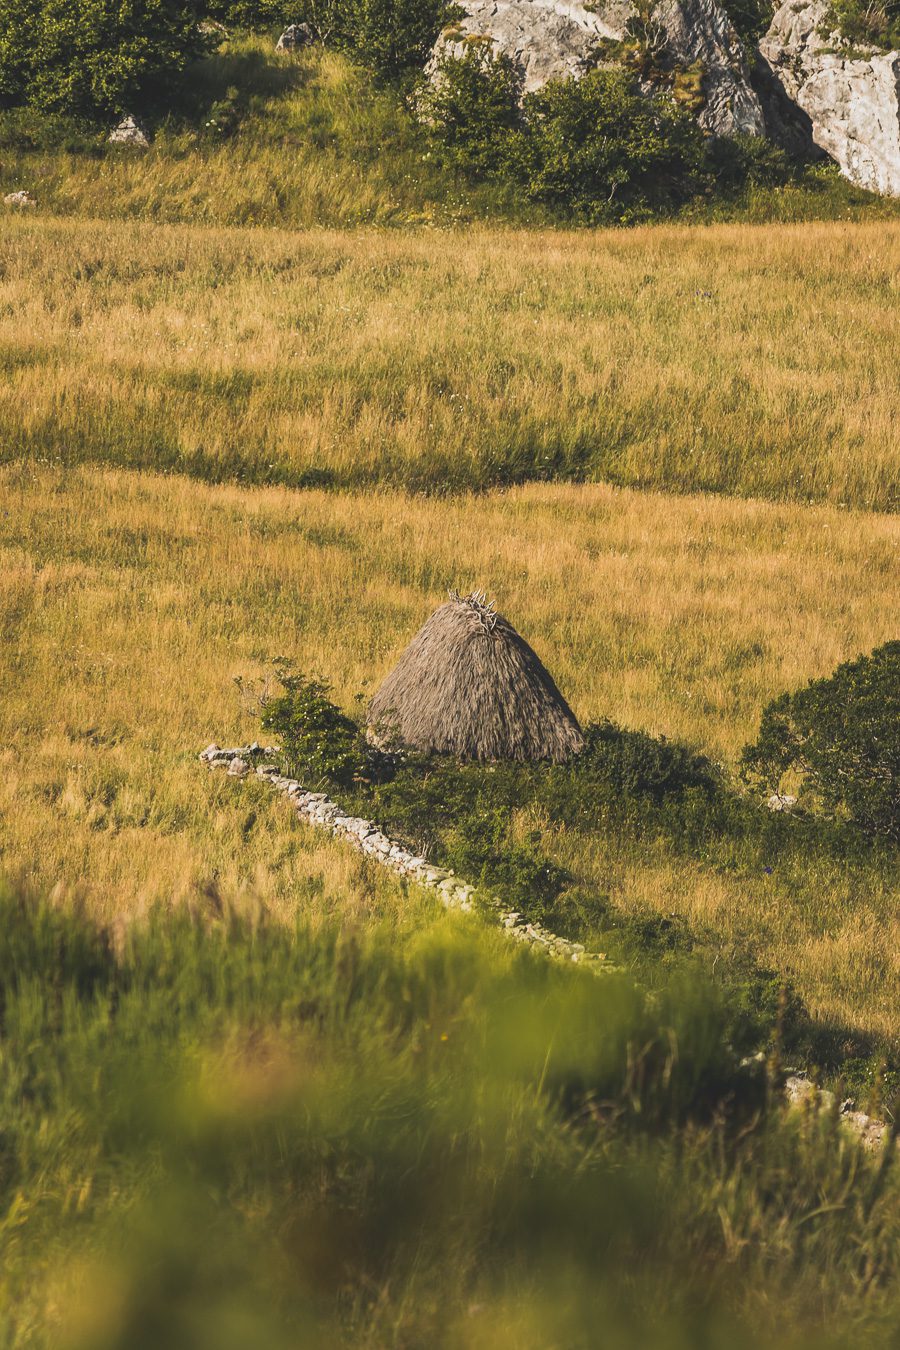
[469,685]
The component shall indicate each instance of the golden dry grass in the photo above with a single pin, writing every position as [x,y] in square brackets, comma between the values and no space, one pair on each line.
[130,602]
[737,359]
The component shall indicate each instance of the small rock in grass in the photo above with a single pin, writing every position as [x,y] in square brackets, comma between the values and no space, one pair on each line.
[20,198]
[238,768]
[129,132]
[296,35]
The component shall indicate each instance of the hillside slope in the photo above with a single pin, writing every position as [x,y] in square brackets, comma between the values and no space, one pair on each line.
[261,137]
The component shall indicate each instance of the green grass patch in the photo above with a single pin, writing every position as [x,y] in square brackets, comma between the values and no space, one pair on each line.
[220,1131]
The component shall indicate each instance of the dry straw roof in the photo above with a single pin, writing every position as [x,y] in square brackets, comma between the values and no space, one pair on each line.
[469,685]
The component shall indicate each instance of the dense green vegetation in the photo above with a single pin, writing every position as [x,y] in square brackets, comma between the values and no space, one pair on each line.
[841,737]
[865,23]
[94,59]
[596,149]
[228,1132]
[349,132]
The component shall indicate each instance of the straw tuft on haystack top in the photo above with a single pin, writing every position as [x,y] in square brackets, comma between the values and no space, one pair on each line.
[469,685]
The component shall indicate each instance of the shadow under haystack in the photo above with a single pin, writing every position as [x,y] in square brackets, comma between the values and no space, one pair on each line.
[470,686]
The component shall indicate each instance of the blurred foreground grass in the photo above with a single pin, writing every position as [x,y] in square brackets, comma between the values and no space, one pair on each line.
[224,1132]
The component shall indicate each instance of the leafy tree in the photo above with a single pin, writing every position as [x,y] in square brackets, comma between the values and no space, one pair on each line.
[841,735]
[95,59]
[393,37]
[253,14]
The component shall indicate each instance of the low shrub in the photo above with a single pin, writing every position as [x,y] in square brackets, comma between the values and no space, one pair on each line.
[606,150]
[632,763]
[600,148]
[473,106]
[840,737]
[751,18]
[753,161]
[321,745]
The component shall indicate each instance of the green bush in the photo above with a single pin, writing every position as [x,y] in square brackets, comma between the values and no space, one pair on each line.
[393,37]
[473,107]
[23,130]
[253,15]
[749,160]
[598,147]
[320,743]
[841,737]
[606,150]
[751,18]
[95,59]
[632,763]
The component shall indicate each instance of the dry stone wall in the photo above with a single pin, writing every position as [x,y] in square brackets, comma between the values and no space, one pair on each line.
[316,809]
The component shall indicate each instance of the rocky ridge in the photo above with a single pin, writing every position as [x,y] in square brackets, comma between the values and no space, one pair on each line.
[849,99]
[809,90]
[555,39]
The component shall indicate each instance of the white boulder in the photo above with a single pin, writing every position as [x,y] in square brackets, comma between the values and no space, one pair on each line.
[129,132]
[294,36]
[851,98]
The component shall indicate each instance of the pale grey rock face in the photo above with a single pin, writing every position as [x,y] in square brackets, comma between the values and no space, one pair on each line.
[556,39]
[852,101]
[129,132]
[698,30]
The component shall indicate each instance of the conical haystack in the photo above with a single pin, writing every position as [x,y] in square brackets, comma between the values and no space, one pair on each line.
[469,685]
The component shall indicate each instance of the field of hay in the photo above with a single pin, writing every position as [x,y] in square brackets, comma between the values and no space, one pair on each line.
[738,359]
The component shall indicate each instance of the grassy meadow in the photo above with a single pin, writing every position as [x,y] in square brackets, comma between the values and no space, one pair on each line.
[738,359]
[297,1104]
[254,1091]
[308,140]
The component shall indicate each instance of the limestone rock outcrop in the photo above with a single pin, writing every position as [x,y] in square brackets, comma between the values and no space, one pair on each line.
[555,39]
[851,99]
